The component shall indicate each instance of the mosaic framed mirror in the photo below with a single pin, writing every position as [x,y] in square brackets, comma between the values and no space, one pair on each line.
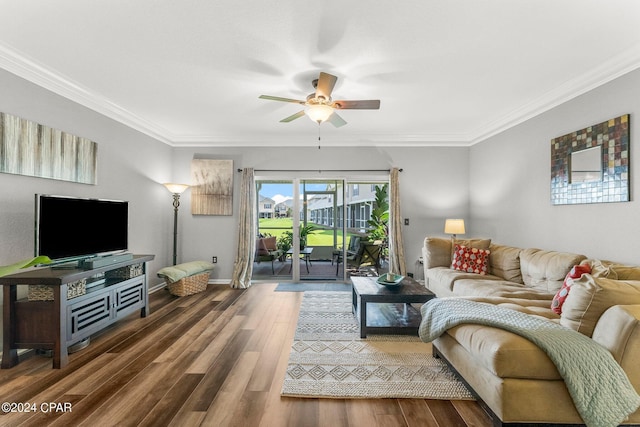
[591,165]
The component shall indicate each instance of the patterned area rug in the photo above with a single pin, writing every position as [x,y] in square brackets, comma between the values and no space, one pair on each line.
[329,359]
[313,286]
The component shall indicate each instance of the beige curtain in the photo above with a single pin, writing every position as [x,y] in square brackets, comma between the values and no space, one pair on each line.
[396,244]
[243,267]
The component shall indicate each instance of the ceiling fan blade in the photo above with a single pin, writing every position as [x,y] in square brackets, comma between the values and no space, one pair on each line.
[370,104]
[326,82]
[277,98]
[293,117]
[336,120]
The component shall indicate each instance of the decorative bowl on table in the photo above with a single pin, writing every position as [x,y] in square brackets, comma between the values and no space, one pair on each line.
[384,280]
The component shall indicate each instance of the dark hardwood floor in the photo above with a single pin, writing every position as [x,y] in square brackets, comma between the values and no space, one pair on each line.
[212,359]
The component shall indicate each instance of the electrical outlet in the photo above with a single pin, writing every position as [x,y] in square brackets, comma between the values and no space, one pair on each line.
[406,221]
[214,259]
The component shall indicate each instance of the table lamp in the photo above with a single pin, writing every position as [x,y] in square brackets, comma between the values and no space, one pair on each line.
[454,227]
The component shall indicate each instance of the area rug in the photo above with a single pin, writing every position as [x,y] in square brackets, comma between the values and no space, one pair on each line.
[314,286]
[328,358]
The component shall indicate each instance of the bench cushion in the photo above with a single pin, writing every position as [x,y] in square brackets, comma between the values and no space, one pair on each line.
[180,271]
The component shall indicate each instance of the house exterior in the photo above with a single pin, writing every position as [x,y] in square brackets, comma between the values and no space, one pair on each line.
[266,207]
[359,198]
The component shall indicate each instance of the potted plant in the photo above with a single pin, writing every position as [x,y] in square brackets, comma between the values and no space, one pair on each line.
[305,230]
[285,242]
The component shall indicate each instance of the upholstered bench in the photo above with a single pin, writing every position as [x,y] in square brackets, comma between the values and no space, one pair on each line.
[187,278]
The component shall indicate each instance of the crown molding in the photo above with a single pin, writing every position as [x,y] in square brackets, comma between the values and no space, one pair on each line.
[331,140]
[616,67]
[23,66]
[37,73]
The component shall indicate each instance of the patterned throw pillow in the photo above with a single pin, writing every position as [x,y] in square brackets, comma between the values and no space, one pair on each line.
[471,260]
[575,273]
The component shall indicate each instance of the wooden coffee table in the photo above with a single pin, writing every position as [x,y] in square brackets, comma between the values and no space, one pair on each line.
[388,310]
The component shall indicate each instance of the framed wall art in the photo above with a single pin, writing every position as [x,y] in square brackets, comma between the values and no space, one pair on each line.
[212,187]
[591,165]
[32,149]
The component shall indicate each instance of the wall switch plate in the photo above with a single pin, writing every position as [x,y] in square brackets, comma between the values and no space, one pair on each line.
[214,259]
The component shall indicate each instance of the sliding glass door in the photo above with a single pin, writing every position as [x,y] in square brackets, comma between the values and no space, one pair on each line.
[308,227]
[300,229]
[274,213]
[322,223]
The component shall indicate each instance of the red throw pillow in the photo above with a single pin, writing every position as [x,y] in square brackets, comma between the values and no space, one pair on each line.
[575,273]
[471,260]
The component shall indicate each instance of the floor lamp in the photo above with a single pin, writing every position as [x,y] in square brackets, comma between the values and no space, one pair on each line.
[176,190]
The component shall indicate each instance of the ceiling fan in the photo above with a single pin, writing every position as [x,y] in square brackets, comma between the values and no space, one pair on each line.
[319,105]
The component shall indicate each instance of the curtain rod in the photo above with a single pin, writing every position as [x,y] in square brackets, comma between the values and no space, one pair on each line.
[321,170]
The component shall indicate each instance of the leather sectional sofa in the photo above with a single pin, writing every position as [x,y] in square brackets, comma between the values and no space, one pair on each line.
[512,378]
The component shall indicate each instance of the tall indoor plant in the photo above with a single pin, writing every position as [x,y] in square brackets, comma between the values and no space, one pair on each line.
[379,221]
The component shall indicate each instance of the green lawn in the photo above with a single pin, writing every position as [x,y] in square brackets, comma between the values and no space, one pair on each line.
[276,226]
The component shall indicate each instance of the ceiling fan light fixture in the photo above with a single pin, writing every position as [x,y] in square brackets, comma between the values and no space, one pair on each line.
[319,113]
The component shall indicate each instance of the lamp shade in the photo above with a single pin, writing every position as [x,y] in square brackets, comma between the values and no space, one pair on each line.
[319,113]
[454,226]
[176,188]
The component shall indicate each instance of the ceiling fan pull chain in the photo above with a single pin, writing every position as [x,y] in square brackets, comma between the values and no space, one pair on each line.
[318,136]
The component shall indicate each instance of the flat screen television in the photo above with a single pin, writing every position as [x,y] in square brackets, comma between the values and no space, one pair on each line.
[69,228]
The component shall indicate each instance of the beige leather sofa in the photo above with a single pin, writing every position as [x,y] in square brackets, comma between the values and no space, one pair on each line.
[513,379]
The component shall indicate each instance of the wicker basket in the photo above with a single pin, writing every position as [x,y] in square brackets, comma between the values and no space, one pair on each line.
[189,285]
[45,292]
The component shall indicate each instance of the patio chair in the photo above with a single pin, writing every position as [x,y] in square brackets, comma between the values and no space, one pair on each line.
[368,255]
[354,244]
[266,250]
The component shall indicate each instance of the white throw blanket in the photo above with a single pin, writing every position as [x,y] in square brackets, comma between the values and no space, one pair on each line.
[600,389]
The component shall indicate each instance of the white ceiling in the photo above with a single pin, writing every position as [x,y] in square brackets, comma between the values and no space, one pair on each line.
[189,72]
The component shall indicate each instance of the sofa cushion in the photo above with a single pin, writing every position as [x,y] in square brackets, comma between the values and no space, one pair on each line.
[505,262]
[618,330]
[626,272]
[591,296]
[601,268]
[471,260]
[499,288]
[503,353]
[446,277]
[546,270]
[474,243]
[575,273]
[437,252]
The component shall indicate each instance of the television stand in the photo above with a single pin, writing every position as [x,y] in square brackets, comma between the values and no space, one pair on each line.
[60,323]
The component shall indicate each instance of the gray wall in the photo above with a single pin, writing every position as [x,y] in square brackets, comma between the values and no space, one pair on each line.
[131,167]
[500,186]
[510,181]
[433,186]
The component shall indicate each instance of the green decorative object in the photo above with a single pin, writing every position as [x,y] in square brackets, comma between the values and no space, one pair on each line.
[8,269]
